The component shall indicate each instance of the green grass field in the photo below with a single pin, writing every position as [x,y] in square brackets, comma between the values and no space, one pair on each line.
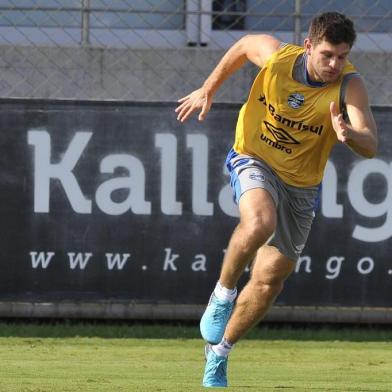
[103,357]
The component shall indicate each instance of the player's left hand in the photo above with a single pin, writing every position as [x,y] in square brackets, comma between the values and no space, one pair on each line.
[340,126]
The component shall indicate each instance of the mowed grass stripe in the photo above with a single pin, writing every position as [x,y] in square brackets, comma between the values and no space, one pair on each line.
[128,364]
[190,331]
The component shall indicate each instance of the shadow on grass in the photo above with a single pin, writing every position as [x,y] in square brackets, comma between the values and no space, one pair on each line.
[187,330]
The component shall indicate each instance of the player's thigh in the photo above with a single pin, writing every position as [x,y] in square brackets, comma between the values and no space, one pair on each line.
[258,204]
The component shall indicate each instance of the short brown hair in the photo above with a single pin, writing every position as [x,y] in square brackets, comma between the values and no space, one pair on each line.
[334,27]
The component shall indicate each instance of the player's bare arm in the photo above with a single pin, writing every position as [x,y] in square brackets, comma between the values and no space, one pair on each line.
[254,48]
[361,134]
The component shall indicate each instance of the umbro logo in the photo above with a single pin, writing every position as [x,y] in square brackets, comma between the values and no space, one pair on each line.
[282,138]
[299,248]
[280,134]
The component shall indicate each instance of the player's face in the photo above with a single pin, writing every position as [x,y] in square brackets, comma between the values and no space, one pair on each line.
[325,60]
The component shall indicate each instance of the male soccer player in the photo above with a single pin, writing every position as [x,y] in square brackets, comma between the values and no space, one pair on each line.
[302,102]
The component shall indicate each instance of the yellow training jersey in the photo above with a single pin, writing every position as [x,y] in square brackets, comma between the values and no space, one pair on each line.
[288,124]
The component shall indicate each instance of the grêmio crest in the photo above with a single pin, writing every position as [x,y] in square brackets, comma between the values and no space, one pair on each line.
[295,100]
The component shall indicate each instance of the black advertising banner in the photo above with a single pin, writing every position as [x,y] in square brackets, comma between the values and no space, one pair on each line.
[120,202]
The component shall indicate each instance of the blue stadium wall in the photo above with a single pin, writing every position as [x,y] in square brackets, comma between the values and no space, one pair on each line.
[116,210]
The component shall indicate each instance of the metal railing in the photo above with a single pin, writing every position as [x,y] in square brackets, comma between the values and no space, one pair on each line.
[159,50]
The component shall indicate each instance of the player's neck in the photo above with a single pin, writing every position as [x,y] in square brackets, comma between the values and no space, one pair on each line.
[310,76]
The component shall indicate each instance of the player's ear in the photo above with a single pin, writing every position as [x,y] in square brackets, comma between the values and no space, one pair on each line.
[308,45]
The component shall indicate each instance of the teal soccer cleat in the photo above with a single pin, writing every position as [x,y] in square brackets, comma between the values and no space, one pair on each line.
[214,319]
[215,373]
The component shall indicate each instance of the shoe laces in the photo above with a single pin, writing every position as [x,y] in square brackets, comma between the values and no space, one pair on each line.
[218,367]
[221,312]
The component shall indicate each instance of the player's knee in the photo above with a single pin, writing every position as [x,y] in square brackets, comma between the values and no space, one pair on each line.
[272,290]
[269,288]
[258,229]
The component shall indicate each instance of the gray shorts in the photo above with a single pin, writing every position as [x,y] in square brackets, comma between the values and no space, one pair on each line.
[295,207]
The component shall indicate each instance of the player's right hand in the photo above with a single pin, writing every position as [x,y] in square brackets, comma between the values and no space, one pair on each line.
[339,125]
[195,101]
